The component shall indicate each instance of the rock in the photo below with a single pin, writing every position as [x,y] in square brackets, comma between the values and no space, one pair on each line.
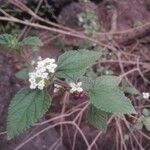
[68,15]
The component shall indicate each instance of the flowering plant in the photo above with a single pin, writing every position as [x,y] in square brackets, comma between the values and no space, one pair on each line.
[31,103]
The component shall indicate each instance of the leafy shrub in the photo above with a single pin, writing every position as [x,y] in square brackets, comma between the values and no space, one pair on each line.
[31,103]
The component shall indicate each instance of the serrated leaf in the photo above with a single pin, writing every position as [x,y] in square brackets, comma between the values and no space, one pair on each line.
[91,74]
[32,41]
[97,118]
[107,96]
[73,64]
[87,82]
[22,74]
[25,109]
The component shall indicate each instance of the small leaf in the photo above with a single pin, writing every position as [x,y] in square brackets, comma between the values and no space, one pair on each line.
[9,40]
[146,112]
[87,82]
[73,64]
[91,74]
[22,74]
[146,122]
[139,97]
[138,125]
[127,89]
[130,90]
[32,41]
[97,118]
[25,109]
[107,96]
[5,38]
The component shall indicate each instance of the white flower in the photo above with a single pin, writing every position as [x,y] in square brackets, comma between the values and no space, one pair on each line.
[41,84]
[55,90]
[51,68]
[32,74]
[76,87]
[33,86]
[32,80]
[81,19]
[49,60]
[45,75]
[40,64]
[146,95]
[32,62]
[40,69]
[42,72]
[57,87]
[39,58]
[48,64]
[38,73]
[106,72]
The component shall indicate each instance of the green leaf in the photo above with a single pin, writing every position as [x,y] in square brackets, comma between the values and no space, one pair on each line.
[32,41]
[90,73]
[9,40]
[130,90]
[25,109]
[107,96]
[73,64]
[146,112]
[138,125]
[146,122]
[87,82]
[22,74]
[97,118]
[5,38]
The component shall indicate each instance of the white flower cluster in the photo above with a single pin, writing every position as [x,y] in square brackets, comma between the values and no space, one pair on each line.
[57,87]
[146,95]
[75,87]
[41,74]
